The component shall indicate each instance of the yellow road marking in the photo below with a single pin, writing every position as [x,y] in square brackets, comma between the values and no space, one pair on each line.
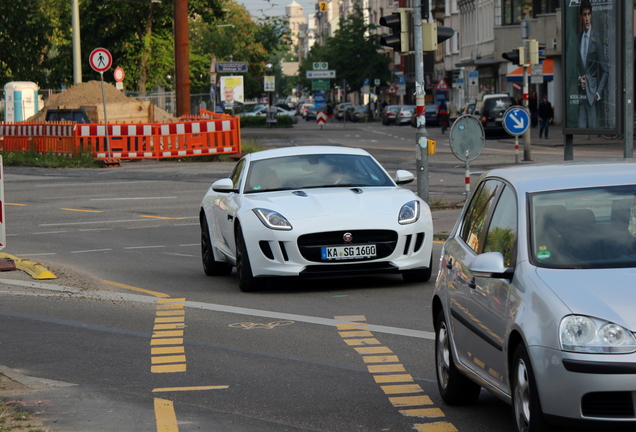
[380,379]
[167,333]
[173,326]
[168,359]
[401,389]
[386,368]
[380,359]
[171,300]
[172,389]
[169,319]
[181,367]
[169,306]
[85,211]
[165,416]
[166,341]
[436,427]
[405,401]
[132,288]
[358,342]
[21,205]
[170,313]
[167,350]
[374,350]
[423,412]
[362,333]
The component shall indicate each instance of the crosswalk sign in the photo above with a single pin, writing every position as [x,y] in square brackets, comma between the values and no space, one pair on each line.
[441,85]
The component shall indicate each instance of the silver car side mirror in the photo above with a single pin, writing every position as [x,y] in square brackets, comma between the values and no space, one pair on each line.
[490,265]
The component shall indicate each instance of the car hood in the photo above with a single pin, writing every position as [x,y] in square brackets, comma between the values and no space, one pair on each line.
[609,294]
[335,203]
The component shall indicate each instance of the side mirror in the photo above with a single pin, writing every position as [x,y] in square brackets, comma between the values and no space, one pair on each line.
[223,185]
[490,265]
[403,177]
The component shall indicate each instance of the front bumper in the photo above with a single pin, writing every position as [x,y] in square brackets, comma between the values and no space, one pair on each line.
[586,387]
[280,253]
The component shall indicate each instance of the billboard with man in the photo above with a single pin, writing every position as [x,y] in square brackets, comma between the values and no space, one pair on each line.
[591,65]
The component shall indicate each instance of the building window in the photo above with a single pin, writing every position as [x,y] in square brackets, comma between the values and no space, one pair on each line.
[514,11]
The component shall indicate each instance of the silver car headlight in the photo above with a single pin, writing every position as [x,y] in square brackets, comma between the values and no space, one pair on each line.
[273,220]
[580,333]
[409,213]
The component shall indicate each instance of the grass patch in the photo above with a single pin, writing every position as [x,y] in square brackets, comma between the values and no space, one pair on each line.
[48,160]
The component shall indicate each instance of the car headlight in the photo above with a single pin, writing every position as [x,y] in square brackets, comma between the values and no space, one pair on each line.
[409,213]
[580,333]
[273,220]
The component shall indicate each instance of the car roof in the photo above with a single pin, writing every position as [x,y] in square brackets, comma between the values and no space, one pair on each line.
[304,150]
[568,175]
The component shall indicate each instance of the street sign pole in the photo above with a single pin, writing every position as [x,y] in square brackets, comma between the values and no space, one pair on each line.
[421,139]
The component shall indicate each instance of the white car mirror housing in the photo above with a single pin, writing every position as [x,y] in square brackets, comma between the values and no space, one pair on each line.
[490,265]
[403,177]
[223,185]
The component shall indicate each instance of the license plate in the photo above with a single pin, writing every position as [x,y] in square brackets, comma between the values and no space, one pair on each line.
[348,252]
[491,124]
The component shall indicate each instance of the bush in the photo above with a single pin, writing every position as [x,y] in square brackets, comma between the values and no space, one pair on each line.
[282,121]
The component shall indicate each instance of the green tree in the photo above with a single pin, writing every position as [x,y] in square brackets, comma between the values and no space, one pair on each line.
[25,32]
[353,52]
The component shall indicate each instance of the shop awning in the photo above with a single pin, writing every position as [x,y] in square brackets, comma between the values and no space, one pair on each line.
[548,72]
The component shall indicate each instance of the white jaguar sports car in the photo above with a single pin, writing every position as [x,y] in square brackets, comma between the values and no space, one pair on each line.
[314,212]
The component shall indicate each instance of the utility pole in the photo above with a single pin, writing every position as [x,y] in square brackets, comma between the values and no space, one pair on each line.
[421,135]
[181,57]
[525,35]
[77,52]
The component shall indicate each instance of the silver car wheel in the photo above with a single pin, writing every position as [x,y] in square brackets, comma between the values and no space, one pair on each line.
[443,355]
[522,396]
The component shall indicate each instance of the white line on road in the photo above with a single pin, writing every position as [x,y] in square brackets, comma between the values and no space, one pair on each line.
[92,250]
[218,308]
[132,198]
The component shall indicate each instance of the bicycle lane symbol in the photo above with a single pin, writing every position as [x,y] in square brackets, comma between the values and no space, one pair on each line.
[268,326]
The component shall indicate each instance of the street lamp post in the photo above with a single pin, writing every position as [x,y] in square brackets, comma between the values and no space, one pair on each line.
[270,115]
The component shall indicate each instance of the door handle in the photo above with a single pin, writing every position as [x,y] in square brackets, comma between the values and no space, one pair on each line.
[472,284]
[449,264]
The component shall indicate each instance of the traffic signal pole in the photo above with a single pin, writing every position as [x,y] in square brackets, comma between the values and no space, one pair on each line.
[421,137]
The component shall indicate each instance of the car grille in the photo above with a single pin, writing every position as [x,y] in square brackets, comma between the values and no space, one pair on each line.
[310,244]
[608,405]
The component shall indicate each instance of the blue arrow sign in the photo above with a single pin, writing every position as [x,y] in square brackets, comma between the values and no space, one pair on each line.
[516,120]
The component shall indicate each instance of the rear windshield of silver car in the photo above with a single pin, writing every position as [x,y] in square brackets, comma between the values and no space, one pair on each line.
[315,171]
[584,228]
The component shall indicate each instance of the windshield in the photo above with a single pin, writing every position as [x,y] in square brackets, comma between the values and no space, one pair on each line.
[584,228]
[315,171]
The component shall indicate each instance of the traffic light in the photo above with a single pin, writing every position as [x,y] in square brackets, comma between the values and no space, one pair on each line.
[432,34]
[535,52]
[516,56]
[400,24]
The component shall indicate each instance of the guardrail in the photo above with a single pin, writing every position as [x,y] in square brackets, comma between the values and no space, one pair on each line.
[213,134]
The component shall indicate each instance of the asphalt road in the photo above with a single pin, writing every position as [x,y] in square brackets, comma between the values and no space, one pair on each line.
[125,243]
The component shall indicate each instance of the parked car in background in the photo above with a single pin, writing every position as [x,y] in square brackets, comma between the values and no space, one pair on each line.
[355,113]
[490,110]
[468,109]
[339,112]
[404,114]
[389,114]
[311,113]
[261,111]
[535,296]
[301,109]
[315,212]
[431,112]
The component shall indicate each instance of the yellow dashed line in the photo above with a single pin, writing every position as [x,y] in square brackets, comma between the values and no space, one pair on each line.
[165,415]
[160,217]
[85,211]
[20,205]
[132,288]
[387,370]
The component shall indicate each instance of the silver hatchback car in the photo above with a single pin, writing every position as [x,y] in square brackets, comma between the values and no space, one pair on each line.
[535,299]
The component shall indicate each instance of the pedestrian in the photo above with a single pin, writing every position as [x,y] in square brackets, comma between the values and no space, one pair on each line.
[546,113]
[533,105]
[442,115]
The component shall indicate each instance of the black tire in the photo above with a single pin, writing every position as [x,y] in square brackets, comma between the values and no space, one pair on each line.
[454,387]
[525,396]
[247,281]
[413,276]
[211,267]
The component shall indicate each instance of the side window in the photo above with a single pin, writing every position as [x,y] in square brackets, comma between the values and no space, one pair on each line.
[502,233]
[474,226]
[236,174]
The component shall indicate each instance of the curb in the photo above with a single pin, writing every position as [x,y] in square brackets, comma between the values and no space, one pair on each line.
[35,270]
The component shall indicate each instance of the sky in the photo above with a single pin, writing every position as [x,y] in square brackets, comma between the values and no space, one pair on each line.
[264,8]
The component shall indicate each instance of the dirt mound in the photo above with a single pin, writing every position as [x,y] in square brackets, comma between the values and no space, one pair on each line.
[90,93]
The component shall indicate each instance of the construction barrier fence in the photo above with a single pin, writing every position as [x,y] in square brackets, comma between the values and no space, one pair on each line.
[205,134]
